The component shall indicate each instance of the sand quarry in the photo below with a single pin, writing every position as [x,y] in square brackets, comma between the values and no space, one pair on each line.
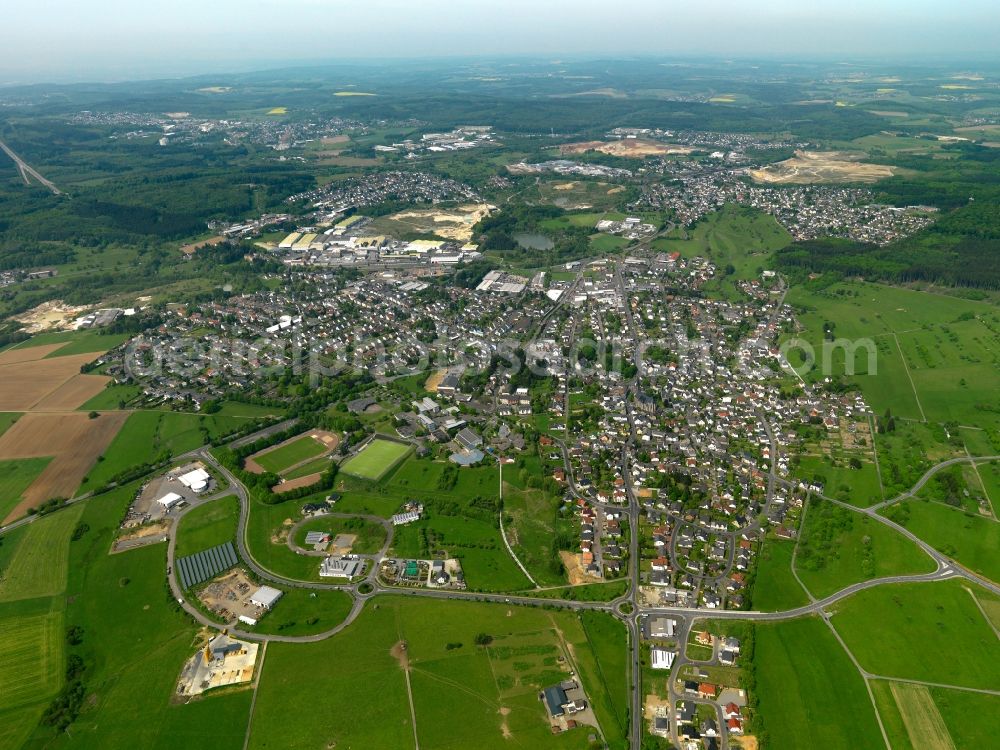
[628,147]
[808,167]
[50,316]
[453,224]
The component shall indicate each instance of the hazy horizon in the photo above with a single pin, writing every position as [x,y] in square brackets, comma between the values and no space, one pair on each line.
[117,40]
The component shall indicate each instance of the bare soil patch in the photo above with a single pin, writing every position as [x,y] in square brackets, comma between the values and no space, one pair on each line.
[808,167]
[574,571]
[73,439]
[74,393]
[294,484]
[28,353]
[453,224]
[400,654]
[50,316]
[193,247]
[24,384]
[432,383]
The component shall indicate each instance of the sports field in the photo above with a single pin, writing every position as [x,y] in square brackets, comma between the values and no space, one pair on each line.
[376,459]
[292,453]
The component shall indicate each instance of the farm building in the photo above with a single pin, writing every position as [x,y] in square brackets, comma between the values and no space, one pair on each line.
[265,597]
[196,481]
[660,658]
[340,567]
[169,500]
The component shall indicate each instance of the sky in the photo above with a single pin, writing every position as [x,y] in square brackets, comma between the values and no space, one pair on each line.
[54,40]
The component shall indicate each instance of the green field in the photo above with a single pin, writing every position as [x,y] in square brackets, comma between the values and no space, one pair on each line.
[15,478]
[153,436]
[970,539]
[295,452]
[113,397]
[208,526]
[304,612]
[929,631]
[775,588]
[77,342]
[733,236]
[947,345]
[316,466]
[370,536]
[839,547]
[809,693]
[39,563]
[494,689]
[31,658]
[376,459]
[7,419]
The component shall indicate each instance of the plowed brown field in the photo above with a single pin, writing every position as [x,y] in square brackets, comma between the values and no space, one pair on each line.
[72,438]
[25,383]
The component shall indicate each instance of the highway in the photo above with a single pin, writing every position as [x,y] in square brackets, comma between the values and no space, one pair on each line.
[27,170]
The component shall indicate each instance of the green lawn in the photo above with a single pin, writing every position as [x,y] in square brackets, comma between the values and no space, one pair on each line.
[370,536]
[292,453]
[838,547]
[921,631]
[970,539]
[208,526]
[809,693]
[15,477]
[775,588]
[376,459]
[316,466]
[304,612]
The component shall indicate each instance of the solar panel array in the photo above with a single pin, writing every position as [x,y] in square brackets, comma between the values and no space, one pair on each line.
[195,569]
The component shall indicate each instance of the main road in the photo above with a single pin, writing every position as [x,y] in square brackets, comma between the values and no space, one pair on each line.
[26,170]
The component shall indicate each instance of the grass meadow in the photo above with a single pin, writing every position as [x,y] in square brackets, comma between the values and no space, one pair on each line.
[809,693]
[376,459]
[929,631]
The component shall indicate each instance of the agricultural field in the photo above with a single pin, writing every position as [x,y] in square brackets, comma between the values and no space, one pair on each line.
[839,547]
[73,441]
[376,459]
[807,686]
[7,419]
[48,383]
[884,626]
[775,588]
[31,657]
[494,687]
[933,340]
[39,563]
[207,525]
[15,478]
[150,437]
